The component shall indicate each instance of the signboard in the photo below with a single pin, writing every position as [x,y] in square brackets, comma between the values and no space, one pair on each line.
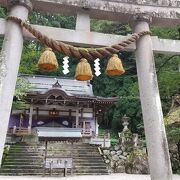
[58,162]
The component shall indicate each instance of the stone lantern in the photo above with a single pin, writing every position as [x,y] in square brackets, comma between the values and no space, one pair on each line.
[125,123]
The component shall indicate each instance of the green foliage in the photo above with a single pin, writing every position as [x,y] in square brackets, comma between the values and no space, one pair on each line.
[29,59]
[3,12]
[22,88]
[133,155]
[137,163]
[114,142]
[47,19]
[173,134]
[5,153]
[109,27]
[166,32]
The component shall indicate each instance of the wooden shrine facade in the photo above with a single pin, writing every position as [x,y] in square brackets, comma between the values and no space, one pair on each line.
[64,103]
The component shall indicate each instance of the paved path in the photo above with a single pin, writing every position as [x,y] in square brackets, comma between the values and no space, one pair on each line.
[103,177]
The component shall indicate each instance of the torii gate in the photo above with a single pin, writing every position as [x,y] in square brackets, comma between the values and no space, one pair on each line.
[139,14]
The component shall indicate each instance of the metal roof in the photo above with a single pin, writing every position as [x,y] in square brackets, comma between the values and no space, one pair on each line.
[71,87]
[47,88]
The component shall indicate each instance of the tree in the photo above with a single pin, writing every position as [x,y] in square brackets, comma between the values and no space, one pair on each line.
[172,121]
[22,88]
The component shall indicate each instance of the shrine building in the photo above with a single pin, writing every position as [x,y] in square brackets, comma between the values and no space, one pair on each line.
[59,108]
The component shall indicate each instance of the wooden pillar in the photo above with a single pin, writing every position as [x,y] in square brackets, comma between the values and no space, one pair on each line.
[84,125]
[77,118]
[11,50]
[158,153]
[30,117]
[97,126]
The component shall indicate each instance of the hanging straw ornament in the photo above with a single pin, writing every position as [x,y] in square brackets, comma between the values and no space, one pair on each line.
[48,61]
[114,66]
[83,70]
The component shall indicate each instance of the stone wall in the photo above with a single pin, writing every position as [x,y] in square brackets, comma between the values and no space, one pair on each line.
[127,156]
[130,156]
[175,159]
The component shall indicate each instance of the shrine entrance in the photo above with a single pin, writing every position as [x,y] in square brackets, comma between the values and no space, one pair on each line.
[140,14]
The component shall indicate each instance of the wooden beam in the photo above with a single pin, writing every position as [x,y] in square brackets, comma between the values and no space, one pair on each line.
[114,10]
[94,39]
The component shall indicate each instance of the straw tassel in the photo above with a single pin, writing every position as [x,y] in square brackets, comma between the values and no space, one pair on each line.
[48,61]
[83,70]
[114,66]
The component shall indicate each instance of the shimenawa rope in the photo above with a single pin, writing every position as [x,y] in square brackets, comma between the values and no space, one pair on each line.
[71,51]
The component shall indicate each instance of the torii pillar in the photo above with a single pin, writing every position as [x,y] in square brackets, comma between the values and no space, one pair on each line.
[158,153]
[11,52]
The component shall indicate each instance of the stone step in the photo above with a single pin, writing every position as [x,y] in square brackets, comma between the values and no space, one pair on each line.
[20,170]
[52,149]
[30,158]
[88,160]
[89,171]
[83,174]
[19,174]
[75,156]
[52,152]
[88,156]
[36,167]
[40,161]
[89,167]
[34,171]
[24,166]
[17,159]
[26,149]
[17,163]
[88,164]
[25,154]
[37,174]
[49,144]
[57,174]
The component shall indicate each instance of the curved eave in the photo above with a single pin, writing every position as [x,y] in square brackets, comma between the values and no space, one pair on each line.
[68,97]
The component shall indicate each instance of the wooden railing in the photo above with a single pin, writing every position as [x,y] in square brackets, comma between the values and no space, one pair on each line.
[106,135]
[20,131]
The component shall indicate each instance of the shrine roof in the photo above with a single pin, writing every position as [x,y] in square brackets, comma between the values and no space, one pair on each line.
[41,84]
[50,88]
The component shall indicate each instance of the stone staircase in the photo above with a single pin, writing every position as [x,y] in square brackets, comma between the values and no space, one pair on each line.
[27,159]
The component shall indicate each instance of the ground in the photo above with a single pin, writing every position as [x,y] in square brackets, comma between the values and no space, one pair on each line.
[104,177]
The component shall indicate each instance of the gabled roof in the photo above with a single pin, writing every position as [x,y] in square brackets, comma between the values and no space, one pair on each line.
[71,87]
[56,89]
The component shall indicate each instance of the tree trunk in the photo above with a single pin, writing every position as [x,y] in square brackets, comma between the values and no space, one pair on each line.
[178,147]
